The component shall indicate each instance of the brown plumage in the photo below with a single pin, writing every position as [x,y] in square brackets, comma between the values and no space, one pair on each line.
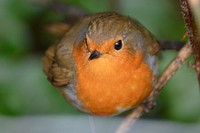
[104,64]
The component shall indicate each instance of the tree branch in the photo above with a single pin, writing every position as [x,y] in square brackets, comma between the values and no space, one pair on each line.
[163,79]
[171,45]
[193,46]
[193,33]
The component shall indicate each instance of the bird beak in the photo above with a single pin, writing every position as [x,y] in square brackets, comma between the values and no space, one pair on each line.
[94,55]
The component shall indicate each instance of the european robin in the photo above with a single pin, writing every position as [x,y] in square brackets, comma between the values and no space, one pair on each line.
[105,64]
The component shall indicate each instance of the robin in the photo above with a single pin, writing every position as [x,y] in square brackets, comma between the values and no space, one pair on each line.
[105,64]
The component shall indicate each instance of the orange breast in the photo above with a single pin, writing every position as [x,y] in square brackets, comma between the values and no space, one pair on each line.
[109,85]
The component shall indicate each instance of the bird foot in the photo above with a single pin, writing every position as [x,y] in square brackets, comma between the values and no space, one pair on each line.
[149,105]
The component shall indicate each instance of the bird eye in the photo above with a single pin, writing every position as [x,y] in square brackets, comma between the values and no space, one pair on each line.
[118,45]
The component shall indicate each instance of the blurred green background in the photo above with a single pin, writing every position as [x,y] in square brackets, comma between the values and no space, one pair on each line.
[24,89]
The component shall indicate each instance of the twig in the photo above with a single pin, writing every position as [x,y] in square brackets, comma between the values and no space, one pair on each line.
[194,39]
[92,124]
[65,9]
[193,33]
[57,29]
[163,79]
[130,120]
[171,45]
[173,67]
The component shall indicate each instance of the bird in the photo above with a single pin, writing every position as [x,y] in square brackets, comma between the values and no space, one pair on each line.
[105,64]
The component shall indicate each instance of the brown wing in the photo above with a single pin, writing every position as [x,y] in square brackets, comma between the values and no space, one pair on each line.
[58,62]
[58,65]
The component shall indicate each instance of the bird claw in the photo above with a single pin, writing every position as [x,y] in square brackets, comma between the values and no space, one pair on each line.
[149,105]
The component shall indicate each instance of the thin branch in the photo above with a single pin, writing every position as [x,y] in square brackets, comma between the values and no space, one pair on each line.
[194,39]
[68,10]
[171,45]
[173,67]
[57,29]
[193,33]
[163,79]
[130,120]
